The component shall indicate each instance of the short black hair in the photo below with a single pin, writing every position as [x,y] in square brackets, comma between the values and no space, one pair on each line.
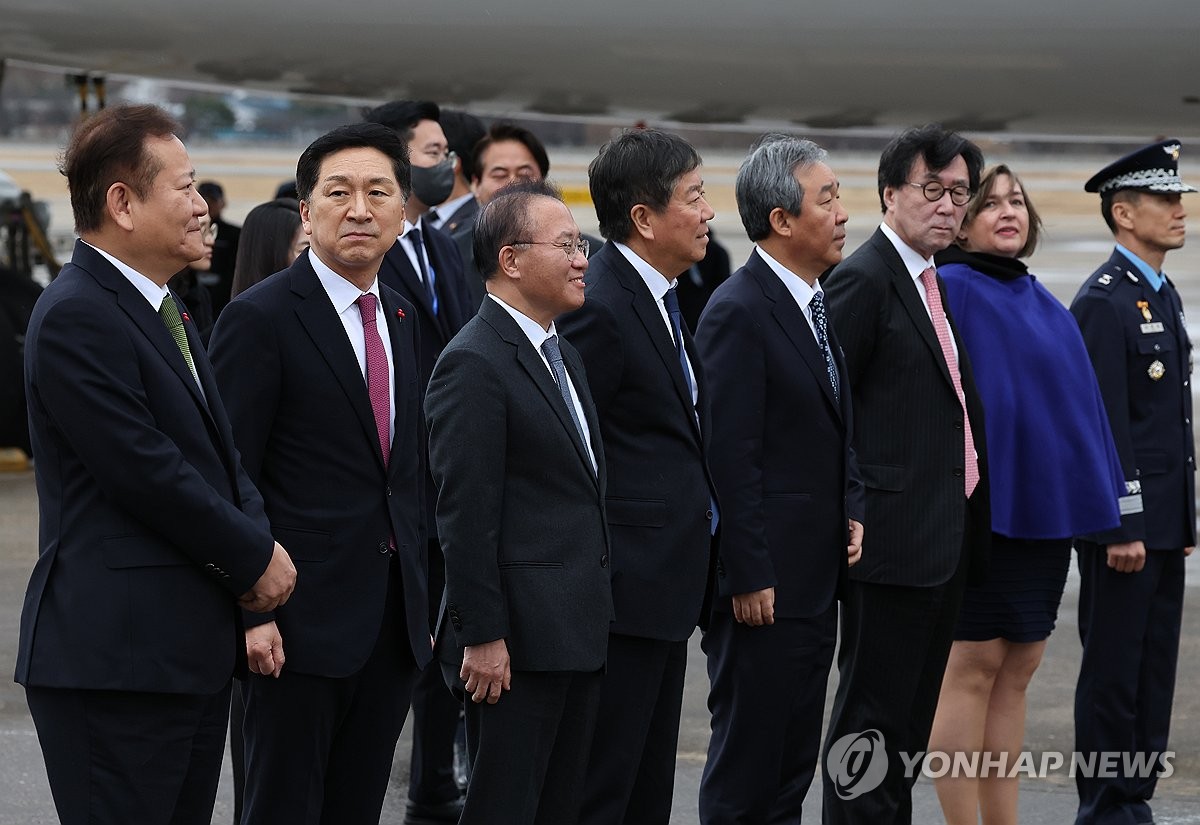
[502,131]
[934,142]
[353,136]
[1112,196]
[504,220]
[638,166]
[210,190]
[463,131]
[402,116]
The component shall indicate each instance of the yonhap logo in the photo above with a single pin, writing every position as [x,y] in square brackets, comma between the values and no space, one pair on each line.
[857,763]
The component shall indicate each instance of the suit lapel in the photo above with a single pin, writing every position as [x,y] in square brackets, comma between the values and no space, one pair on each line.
[403,366]
[320,320]
[536,368]
[411,286]
[646,309]
[791,320]
[910,298]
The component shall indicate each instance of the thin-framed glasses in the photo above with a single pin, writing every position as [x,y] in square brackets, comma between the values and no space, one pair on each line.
[568,248]
[210,232]
[959,195]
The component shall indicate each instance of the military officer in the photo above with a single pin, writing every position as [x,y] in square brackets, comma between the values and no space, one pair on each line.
[1131,595]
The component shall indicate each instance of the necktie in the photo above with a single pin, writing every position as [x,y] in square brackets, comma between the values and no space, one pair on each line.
[942,328]
[426,272]
[821,323]
[377,373]
[671,302]
[433,218]
[553,354]
[169,313]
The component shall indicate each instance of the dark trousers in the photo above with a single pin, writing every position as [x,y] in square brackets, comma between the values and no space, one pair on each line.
[1129,625]
[767,699]
[435,713]
[631,771]
[117,757]
[529,751]
[895,643]
[319,749]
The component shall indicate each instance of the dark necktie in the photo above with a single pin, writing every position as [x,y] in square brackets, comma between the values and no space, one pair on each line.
[671,302]
[553,354]
[426,271]
[377,373]
[169,313]
[942,329]
[821,324]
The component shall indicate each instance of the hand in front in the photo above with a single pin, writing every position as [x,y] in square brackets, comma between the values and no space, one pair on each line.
[755,609]
[264,649]
[1129,557]
[274,586]
[486,671]
[854,548]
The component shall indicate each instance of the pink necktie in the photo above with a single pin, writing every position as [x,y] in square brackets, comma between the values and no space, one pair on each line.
[377,373]
[934,294]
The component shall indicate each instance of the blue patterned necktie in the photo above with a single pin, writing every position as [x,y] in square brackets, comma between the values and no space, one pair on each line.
[821,324]
[426,272]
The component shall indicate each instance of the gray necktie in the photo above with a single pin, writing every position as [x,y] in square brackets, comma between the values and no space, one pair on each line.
[553,354]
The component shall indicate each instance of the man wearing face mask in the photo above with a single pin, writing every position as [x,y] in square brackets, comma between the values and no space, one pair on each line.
[425,267]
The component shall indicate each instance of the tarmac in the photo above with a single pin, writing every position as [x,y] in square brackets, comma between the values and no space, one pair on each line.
[1076,241]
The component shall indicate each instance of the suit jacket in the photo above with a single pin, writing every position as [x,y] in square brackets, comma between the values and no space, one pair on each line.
[303,422]
[435,331]
[520,511]
[659,491]
[149,526]
[1144,364]
[781,451]
[908,424]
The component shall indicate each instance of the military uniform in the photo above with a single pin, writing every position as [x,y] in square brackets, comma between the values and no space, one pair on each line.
[1129,622]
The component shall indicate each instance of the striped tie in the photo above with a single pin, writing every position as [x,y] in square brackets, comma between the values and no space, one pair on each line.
[169,313]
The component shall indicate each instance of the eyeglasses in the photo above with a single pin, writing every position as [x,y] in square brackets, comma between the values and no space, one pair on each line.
[210,233]
[959,195]
[439,156]
[568,248]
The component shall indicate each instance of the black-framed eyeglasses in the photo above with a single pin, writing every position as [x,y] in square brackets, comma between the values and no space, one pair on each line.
[568,248]
[959,195]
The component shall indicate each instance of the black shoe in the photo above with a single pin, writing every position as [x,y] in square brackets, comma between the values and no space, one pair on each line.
[437,813]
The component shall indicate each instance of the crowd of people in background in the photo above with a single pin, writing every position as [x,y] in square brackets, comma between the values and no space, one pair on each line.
[408,438]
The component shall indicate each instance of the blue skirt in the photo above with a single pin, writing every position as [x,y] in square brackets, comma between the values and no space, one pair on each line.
[1019,600]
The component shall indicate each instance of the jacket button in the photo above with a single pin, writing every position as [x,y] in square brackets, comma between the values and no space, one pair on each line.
[384,549]
[708,514]
[958,471]
[604,560]
[389,489]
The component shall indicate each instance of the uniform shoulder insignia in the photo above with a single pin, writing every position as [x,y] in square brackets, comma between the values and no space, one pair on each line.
[1105,281]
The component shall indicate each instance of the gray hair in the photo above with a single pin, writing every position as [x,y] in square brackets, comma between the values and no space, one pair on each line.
[767,180]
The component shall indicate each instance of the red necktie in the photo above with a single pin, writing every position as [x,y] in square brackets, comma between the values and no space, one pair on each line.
[377,373]
[942,328]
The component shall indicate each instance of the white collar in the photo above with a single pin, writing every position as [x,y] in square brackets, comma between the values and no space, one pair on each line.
[151,291]
[656,282]
[340,291]
[913,261]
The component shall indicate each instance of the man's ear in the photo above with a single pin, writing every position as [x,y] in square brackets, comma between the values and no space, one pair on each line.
[118,202]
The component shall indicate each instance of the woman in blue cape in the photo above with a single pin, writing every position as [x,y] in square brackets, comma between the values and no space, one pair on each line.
[1054,474]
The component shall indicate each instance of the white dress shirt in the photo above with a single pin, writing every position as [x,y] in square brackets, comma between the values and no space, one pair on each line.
[796,286]
[344,297]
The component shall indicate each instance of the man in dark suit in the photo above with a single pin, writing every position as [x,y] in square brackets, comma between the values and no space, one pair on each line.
[320,366]
[1131,590]
[790,494]
[219,279]
[514,442]
[506,154]
[648,383]
[458,211]
[916,416]
[424,266]
[130,631]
